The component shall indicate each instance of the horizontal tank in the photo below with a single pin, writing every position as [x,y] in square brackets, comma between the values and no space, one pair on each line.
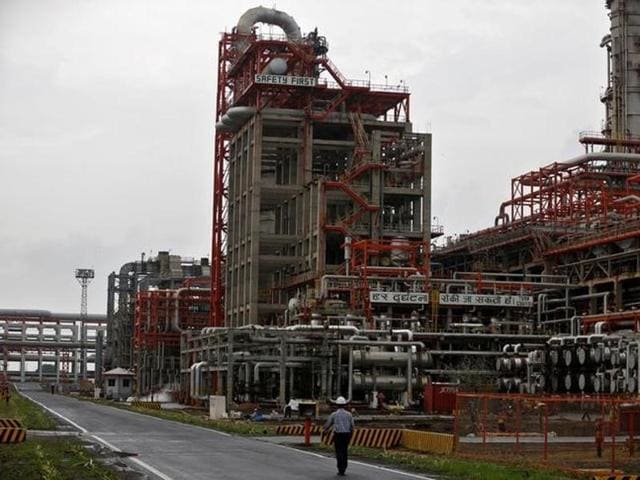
[384,382]
[389,359]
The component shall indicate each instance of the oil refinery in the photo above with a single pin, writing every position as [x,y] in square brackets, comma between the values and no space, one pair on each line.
[328,277]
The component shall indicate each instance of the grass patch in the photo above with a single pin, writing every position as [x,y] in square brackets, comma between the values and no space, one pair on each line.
[236,427]
[51,459]
[31,415]
[452,467]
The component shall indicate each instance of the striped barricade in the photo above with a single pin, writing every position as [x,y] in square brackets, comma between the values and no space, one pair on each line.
[370,437]
[297,429]
[149,405]
[431,442]
[11,431]
[616,477]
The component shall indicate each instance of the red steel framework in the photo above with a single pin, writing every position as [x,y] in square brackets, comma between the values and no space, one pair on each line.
[240,58]
[158,311]
[596,191]
[617,414]
[573,192]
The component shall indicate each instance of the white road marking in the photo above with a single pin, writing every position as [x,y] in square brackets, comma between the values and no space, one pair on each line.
[364,464]
[166,477]
[144,465]
[137,461]
[69,421]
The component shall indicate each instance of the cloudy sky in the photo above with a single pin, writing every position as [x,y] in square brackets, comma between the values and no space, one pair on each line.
[107,107]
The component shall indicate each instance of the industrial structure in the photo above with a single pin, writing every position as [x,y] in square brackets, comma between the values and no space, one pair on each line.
[46,346]
[312,172]
[327,277]
[578,219]
[321,276]
[149,302]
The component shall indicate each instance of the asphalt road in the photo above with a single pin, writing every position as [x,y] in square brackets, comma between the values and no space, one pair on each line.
[173,451]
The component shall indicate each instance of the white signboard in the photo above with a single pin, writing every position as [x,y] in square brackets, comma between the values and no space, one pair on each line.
[289,80]
[486,300]
[419,298]
[399,297]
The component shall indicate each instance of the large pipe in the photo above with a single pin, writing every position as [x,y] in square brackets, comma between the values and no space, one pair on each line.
[52,316]
[604,295]
[401,332]
[234,118]
[271,16]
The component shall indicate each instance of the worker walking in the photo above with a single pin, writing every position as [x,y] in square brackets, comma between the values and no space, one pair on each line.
[342,423]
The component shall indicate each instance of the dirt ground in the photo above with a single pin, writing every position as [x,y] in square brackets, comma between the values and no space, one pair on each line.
[562,456]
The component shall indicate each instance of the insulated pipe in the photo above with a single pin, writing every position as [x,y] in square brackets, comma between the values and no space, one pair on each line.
[542,300]
[384,343]
[575,325]
[351,328]
[350,387]
[277,66]
[175,324]
[234,117]
[604,295]
[456,281]
[7,312]
[270,16]
[210,330]
[259,365]
[401,332]
[191,380]
[409,376]
[458,275]
[198,379]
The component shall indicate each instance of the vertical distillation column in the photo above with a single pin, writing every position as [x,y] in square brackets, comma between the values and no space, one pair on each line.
[622,97]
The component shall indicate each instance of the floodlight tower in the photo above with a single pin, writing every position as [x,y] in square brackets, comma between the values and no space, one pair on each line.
[84,277]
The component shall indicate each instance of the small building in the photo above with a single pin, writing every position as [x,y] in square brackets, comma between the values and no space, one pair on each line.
[118,383]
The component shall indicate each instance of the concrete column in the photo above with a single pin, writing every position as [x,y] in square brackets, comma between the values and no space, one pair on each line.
[57,366]
[40,365]
[98,362]
[229,369]
[617,292]
[376,189]
[255,182]
[409,376]
[219,365]
[23,366]
[593,302]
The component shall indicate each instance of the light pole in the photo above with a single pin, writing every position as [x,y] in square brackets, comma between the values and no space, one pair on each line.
[367,72]
[84,277]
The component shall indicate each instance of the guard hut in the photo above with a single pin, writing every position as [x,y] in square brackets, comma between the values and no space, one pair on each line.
[118,383]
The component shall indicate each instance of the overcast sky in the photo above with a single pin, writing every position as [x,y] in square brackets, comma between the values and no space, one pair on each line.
[107,108]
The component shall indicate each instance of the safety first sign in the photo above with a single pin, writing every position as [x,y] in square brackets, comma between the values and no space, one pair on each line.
[288,80]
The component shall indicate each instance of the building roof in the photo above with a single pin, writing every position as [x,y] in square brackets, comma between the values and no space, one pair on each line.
[120,372]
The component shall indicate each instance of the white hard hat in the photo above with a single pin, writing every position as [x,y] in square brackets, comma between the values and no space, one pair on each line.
[341,401]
